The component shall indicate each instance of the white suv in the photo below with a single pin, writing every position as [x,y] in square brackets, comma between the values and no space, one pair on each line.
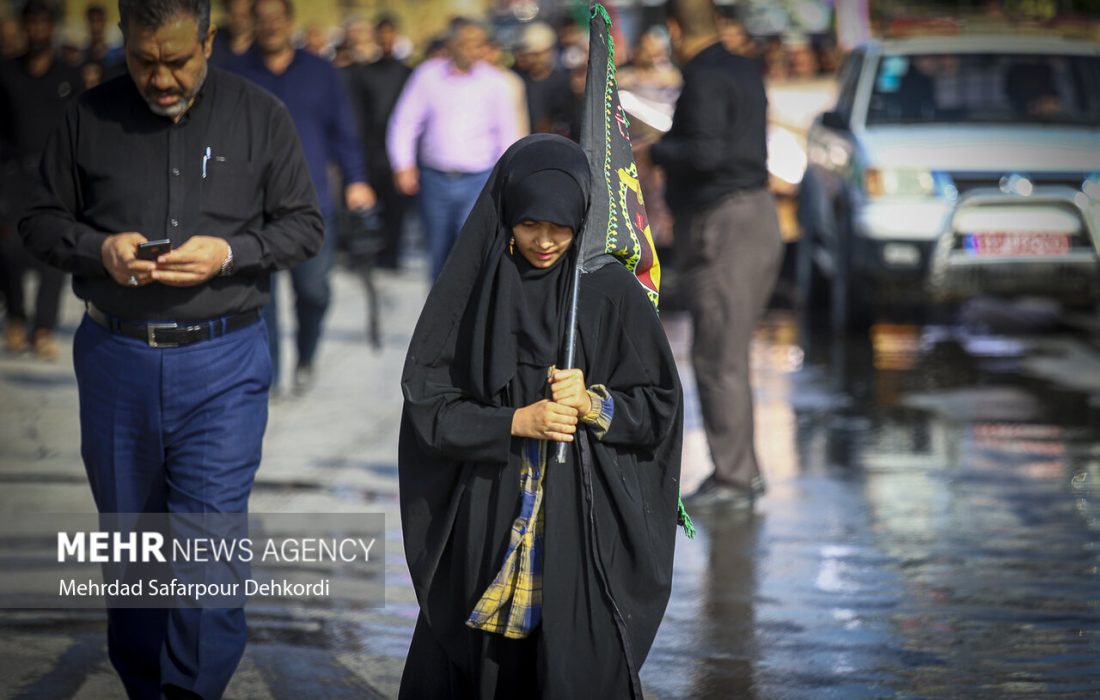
[955,166]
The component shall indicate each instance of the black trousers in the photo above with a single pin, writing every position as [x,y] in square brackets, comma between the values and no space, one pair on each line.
[394,205]
[15,263]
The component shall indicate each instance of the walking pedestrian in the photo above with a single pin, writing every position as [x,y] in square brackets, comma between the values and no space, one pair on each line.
[99,51]
[317,41]
[727,239]
[35,88]
[549,97]
[357,47]
[374,89]
[314,93]
[454,119]
[650,73]
[236,35]
[532,581]
[171,357]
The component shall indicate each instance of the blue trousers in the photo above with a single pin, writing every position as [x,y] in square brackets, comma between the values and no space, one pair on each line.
[445,201]
[312,295]
[176,430]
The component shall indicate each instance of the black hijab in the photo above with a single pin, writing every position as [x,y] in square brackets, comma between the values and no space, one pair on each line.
[490,308]
[547,193]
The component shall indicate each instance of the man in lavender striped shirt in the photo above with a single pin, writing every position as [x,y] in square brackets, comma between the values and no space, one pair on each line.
[454,119]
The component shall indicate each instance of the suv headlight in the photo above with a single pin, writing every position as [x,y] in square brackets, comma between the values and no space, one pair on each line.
[1091,187]
[898,182]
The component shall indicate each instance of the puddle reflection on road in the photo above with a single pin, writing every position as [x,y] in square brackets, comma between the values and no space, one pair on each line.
[931,527]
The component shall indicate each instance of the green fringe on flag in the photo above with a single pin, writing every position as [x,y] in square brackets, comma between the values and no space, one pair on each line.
[683,519]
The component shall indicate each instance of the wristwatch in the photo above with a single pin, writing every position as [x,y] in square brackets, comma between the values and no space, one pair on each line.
[228,266]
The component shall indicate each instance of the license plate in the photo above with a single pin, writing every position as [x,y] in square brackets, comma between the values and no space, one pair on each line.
[1015,245]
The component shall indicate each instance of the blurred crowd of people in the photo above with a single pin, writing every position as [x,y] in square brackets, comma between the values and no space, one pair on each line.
[90,50]
[789,56]
[419,141]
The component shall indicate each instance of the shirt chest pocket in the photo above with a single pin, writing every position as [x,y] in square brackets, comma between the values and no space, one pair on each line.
[230,189]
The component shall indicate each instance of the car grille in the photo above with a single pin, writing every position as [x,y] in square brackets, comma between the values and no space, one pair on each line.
[966,181]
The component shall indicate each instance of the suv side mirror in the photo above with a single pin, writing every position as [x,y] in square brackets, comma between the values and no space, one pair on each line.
[834,120]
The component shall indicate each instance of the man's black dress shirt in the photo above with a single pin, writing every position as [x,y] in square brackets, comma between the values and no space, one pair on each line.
[718,141]
[232,168]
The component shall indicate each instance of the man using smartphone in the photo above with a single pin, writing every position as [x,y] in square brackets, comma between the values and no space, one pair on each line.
[171,358]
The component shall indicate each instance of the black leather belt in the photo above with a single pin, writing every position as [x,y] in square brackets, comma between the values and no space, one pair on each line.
[173,335]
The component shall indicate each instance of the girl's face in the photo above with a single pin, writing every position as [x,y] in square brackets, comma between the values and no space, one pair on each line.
[542,243]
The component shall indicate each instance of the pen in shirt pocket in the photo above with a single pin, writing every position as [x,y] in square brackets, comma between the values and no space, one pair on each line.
[207,156]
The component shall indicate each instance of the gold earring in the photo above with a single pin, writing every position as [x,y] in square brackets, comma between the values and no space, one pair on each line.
[512,246]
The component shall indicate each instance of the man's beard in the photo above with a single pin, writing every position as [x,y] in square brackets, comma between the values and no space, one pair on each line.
[179,106]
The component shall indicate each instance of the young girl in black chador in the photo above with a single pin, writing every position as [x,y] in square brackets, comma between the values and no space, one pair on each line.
[534,578]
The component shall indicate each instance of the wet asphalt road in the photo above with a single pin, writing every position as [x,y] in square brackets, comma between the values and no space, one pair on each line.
[931,528]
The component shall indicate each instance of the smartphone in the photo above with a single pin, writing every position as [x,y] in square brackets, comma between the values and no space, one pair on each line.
[153,249]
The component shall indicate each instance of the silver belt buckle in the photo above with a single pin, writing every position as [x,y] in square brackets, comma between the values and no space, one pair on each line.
[151,333]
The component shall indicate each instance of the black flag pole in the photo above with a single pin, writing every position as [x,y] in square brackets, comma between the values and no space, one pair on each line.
[570,343]
[593,141]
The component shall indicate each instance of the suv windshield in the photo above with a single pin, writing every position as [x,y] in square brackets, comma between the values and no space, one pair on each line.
[984,88]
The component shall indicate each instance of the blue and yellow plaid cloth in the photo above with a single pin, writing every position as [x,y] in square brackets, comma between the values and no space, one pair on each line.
[512,604]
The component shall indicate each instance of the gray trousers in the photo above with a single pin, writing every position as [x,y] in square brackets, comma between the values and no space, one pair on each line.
[730,256]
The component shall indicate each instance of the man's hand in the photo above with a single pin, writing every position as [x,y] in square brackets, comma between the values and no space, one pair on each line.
[568,388]
[194,262]
[545,420]
[359,196]
[118,254]
[407,181]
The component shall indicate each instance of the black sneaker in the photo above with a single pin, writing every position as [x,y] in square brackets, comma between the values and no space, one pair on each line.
[715,494]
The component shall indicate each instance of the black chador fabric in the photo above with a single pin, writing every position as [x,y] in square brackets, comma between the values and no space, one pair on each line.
[489,330]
